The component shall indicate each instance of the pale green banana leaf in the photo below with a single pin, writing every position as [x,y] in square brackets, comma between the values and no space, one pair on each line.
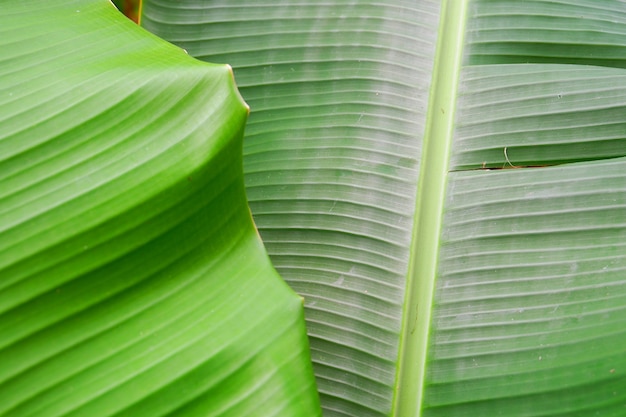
[437,283]
[132,279]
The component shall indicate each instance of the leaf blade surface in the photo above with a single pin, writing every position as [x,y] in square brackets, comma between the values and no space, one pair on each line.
[132,274]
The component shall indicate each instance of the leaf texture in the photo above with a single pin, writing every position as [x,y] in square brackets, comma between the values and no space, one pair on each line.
[133,282]
[584,32]
[529,312]
[539,114]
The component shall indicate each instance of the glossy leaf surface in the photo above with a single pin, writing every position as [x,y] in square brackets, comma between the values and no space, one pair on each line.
[133,282]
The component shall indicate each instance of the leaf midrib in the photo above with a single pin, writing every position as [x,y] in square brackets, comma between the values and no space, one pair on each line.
[431,190]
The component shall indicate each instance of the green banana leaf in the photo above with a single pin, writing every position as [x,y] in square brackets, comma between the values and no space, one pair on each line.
[132,279]
[444,182]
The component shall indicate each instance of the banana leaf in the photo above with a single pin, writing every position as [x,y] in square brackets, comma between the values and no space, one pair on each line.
[132,279]
[444,182]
